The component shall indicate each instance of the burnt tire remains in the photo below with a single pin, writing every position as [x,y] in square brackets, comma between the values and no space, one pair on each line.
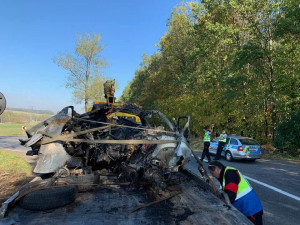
[49,198]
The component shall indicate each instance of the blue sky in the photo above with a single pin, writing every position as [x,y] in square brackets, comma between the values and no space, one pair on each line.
[33,32]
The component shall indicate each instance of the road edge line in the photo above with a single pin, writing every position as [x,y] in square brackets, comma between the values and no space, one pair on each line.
[274,188]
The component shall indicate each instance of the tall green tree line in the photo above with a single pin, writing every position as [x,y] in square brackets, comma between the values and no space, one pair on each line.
[234,63]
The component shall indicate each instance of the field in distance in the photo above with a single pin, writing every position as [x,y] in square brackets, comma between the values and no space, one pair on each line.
[11,122]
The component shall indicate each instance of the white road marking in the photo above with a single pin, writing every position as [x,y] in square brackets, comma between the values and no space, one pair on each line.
[293,173]
[274,188]
[286,171]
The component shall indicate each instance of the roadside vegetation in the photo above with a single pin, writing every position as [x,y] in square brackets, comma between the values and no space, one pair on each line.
[13,129]
[36,111]
[14,172]
[25,118]
[229,63]
[11,122]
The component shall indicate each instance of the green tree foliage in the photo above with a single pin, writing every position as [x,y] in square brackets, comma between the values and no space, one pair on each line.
[288,135]
[232,63]
[287,33]
[84,69]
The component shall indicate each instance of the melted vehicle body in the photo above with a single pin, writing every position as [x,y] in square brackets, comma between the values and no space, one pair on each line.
[129,147]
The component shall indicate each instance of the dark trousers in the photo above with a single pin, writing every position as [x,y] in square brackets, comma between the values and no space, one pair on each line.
[206,151]
[257,218]
[219,150]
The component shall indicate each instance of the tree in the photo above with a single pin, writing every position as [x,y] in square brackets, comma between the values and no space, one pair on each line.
[232,63]
[84,67]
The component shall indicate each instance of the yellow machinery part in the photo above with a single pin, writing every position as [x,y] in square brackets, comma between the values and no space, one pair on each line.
[121,114]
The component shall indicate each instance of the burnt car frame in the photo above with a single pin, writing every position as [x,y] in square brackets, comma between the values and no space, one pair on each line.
[96,140]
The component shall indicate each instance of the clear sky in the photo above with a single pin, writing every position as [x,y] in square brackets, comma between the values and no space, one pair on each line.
[33,32]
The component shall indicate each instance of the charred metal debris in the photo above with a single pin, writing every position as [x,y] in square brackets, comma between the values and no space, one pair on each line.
[112,137]
[113,144]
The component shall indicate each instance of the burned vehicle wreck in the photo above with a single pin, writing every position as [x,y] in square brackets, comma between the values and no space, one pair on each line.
[126,163]
[117,139]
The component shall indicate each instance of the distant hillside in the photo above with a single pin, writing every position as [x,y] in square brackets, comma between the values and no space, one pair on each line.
[10,116]
[48,112]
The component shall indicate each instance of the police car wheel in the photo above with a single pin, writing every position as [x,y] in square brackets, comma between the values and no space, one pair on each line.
[228,156]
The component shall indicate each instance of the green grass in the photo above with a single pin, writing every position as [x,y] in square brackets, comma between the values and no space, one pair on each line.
[14,173]
[282,156]
[13,164]
[12,129]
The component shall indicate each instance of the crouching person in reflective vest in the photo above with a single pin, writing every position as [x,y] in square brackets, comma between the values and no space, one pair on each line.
[241,194]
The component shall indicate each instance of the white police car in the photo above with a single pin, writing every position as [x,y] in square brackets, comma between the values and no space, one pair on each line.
[237,147]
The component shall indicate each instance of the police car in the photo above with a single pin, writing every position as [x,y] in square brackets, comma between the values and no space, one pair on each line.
[237,147]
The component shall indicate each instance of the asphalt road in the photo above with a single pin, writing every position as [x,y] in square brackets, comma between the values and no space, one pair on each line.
[276,182]
[12,143]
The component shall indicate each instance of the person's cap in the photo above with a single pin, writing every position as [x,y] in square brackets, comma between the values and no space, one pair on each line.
[215,163]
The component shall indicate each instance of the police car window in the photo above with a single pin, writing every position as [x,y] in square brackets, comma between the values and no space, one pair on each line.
[233,142]
[248,142]
[227,140]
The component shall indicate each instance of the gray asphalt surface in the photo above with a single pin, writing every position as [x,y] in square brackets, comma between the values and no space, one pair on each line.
[12,143]
[284,175]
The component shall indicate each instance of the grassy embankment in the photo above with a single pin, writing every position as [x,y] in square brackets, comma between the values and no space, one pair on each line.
[12,129]
[14,173]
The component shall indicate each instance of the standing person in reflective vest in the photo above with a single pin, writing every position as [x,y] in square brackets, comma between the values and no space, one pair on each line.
[206,143]
[241,194]
[222,141]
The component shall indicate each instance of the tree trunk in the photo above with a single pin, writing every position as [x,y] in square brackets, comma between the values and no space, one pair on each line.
[86,86]
[272,99]
[266,118]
